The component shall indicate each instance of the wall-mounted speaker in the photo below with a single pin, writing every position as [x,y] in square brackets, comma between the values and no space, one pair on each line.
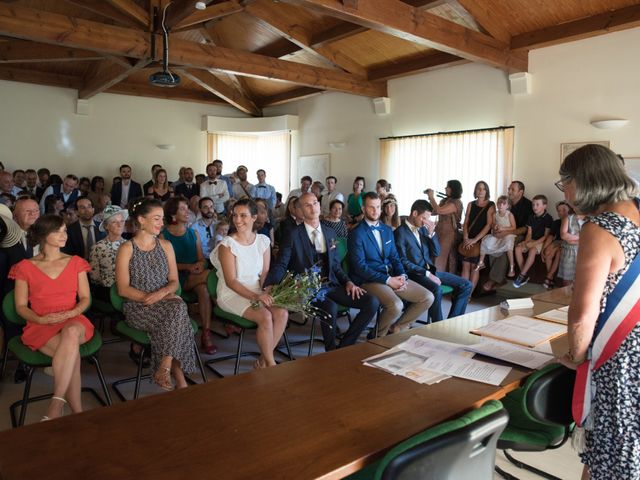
[382,105]
[82,107]
[520,83]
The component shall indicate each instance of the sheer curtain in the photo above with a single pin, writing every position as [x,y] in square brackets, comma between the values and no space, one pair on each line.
[413,164]
[270,152]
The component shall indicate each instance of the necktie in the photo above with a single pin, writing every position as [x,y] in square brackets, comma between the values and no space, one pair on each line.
[23,239]
[315,238]
[89,242]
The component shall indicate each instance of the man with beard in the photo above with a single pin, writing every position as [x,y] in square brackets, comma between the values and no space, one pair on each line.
[206,225]
[84,233]
[242,188]
[215,188]
[126,190]
[187,188]
[377,267]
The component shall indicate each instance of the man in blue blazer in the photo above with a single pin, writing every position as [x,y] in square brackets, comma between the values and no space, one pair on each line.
[125,190]
[83,233]
[416,246]
[375,264]
[309,244]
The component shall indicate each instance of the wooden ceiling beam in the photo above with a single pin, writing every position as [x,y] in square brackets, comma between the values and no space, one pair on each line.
[212,12]
[131,8]
[202,56]
[52,28]
[622,19]
[401,20]
[216,86]
[341,31]
[483,15]
[24,75]
[289,96]
[433,61]
[23,51]
[106,76]
[146,90]
[300,36]
[105,10]
[179,10]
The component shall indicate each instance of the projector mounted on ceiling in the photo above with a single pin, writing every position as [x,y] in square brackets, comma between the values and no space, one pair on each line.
[164,78]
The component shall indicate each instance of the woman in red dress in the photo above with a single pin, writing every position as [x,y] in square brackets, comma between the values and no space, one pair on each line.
[51,292]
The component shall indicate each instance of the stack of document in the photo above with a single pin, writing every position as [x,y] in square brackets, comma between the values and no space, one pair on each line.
[517,304]
[429,361]
[525,331]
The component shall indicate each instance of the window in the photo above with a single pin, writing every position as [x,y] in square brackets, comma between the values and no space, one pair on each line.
[270,152]
[413,164]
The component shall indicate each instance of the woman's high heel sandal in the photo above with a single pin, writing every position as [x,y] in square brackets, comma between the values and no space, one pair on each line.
[64,402]
[207,342]
[162,378]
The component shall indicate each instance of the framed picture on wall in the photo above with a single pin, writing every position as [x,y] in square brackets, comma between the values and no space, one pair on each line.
[567,148]
[632,164]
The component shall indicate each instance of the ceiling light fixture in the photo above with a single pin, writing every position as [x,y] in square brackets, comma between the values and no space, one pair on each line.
[609,123]
[201,5]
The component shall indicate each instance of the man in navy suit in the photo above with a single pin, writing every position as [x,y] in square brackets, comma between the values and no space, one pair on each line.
[187,188]
[309,244]
[125,190]
[84,233]
[416,245]
[375,264]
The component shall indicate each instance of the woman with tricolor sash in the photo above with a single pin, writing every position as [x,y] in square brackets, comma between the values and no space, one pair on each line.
[604,335]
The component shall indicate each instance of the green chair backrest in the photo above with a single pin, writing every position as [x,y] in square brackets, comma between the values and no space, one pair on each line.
[341,248]
[9,308]
[117,301]
[463,448]
[212,283]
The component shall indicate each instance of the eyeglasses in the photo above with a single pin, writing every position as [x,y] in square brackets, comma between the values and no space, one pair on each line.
[562,183]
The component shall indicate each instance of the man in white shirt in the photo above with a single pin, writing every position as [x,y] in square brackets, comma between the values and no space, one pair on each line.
[68,191]
[330,195]
[242,188]
[215,188]
[264,190]
[305,186]
[206,226]
[126,190]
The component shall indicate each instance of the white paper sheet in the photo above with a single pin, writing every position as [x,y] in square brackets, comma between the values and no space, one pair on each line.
[521,330]
[559,315]
[468,368]
[511,353]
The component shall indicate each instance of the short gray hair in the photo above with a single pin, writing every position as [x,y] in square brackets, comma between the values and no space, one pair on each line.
[599,178]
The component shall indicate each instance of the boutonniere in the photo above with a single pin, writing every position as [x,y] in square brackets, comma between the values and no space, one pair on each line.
[333,244]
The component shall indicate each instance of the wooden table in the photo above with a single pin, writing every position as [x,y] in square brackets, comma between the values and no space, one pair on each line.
[561,295]
[319,417]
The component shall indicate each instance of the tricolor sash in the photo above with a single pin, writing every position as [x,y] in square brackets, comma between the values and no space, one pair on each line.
[620,316]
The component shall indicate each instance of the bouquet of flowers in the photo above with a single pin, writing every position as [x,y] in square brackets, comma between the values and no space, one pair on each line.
[296,293]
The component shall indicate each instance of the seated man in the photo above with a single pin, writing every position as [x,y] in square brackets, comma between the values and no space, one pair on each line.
[84,233]
[311,243]
[376,266]
[417,243]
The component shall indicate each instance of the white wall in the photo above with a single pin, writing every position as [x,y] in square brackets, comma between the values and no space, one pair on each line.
[572,83]
[39,127]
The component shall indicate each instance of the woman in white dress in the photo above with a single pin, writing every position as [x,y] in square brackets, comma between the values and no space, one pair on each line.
[242,261]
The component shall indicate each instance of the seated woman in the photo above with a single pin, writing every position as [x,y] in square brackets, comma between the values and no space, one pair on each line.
[54,205]
[51,292]
[147,277]
[389,215]
[103,254]
[334,219]
[263,225]
[242,261]
[160,190]
[192,268]
[354,202]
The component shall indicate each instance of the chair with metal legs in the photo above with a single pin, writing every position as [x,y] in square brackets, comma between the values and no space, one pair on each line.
[240,322]
[36,359]
[141,338]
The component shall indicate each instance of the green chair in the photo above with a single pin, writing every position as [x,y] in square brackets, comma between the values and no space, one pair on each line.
[241,322]
[539,416]
[36,359]
[105,310]
[460,449]
[141,338]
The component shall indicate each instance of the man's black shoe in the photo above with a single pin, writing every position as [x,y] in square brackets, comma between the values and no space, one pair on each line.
[22,372]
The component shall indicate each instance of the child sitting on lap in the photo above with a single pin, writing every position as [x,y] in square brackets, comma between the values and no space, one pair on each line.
[538,228]
[501,239]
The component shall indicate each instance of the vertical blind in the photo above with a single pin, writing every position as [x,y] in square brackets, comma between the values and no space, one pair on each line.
[413,164]
[270,152]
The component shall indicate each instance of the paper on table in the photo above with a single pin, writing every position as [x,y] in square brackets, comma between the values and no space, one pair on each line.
[511,353]
[525,331]
[426,346]
[399,362]
[468,368]
[517,303]
[559,315]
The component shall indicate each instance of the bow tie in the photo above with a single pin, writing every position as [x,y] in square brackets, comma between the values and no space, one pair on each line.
[213,182]
[375,228]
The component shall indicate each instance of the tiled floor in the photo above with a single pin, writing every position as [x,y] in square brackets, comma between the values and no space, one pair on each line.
[116,364]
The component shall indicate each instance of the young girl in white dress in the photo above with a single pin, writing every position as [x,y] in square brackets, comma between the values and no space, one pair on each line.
[503,223]
[242,262]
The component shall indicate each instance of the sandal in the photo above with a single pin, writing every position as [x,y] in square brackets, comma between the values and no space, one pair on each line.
[479,266]
[162,378]
[512,272]
[207,343]
[230,329]
[45,418]
[548,283]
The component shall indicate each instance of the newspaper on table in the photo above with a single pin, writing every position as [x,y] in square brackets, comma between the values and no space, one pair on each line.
[413,359]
